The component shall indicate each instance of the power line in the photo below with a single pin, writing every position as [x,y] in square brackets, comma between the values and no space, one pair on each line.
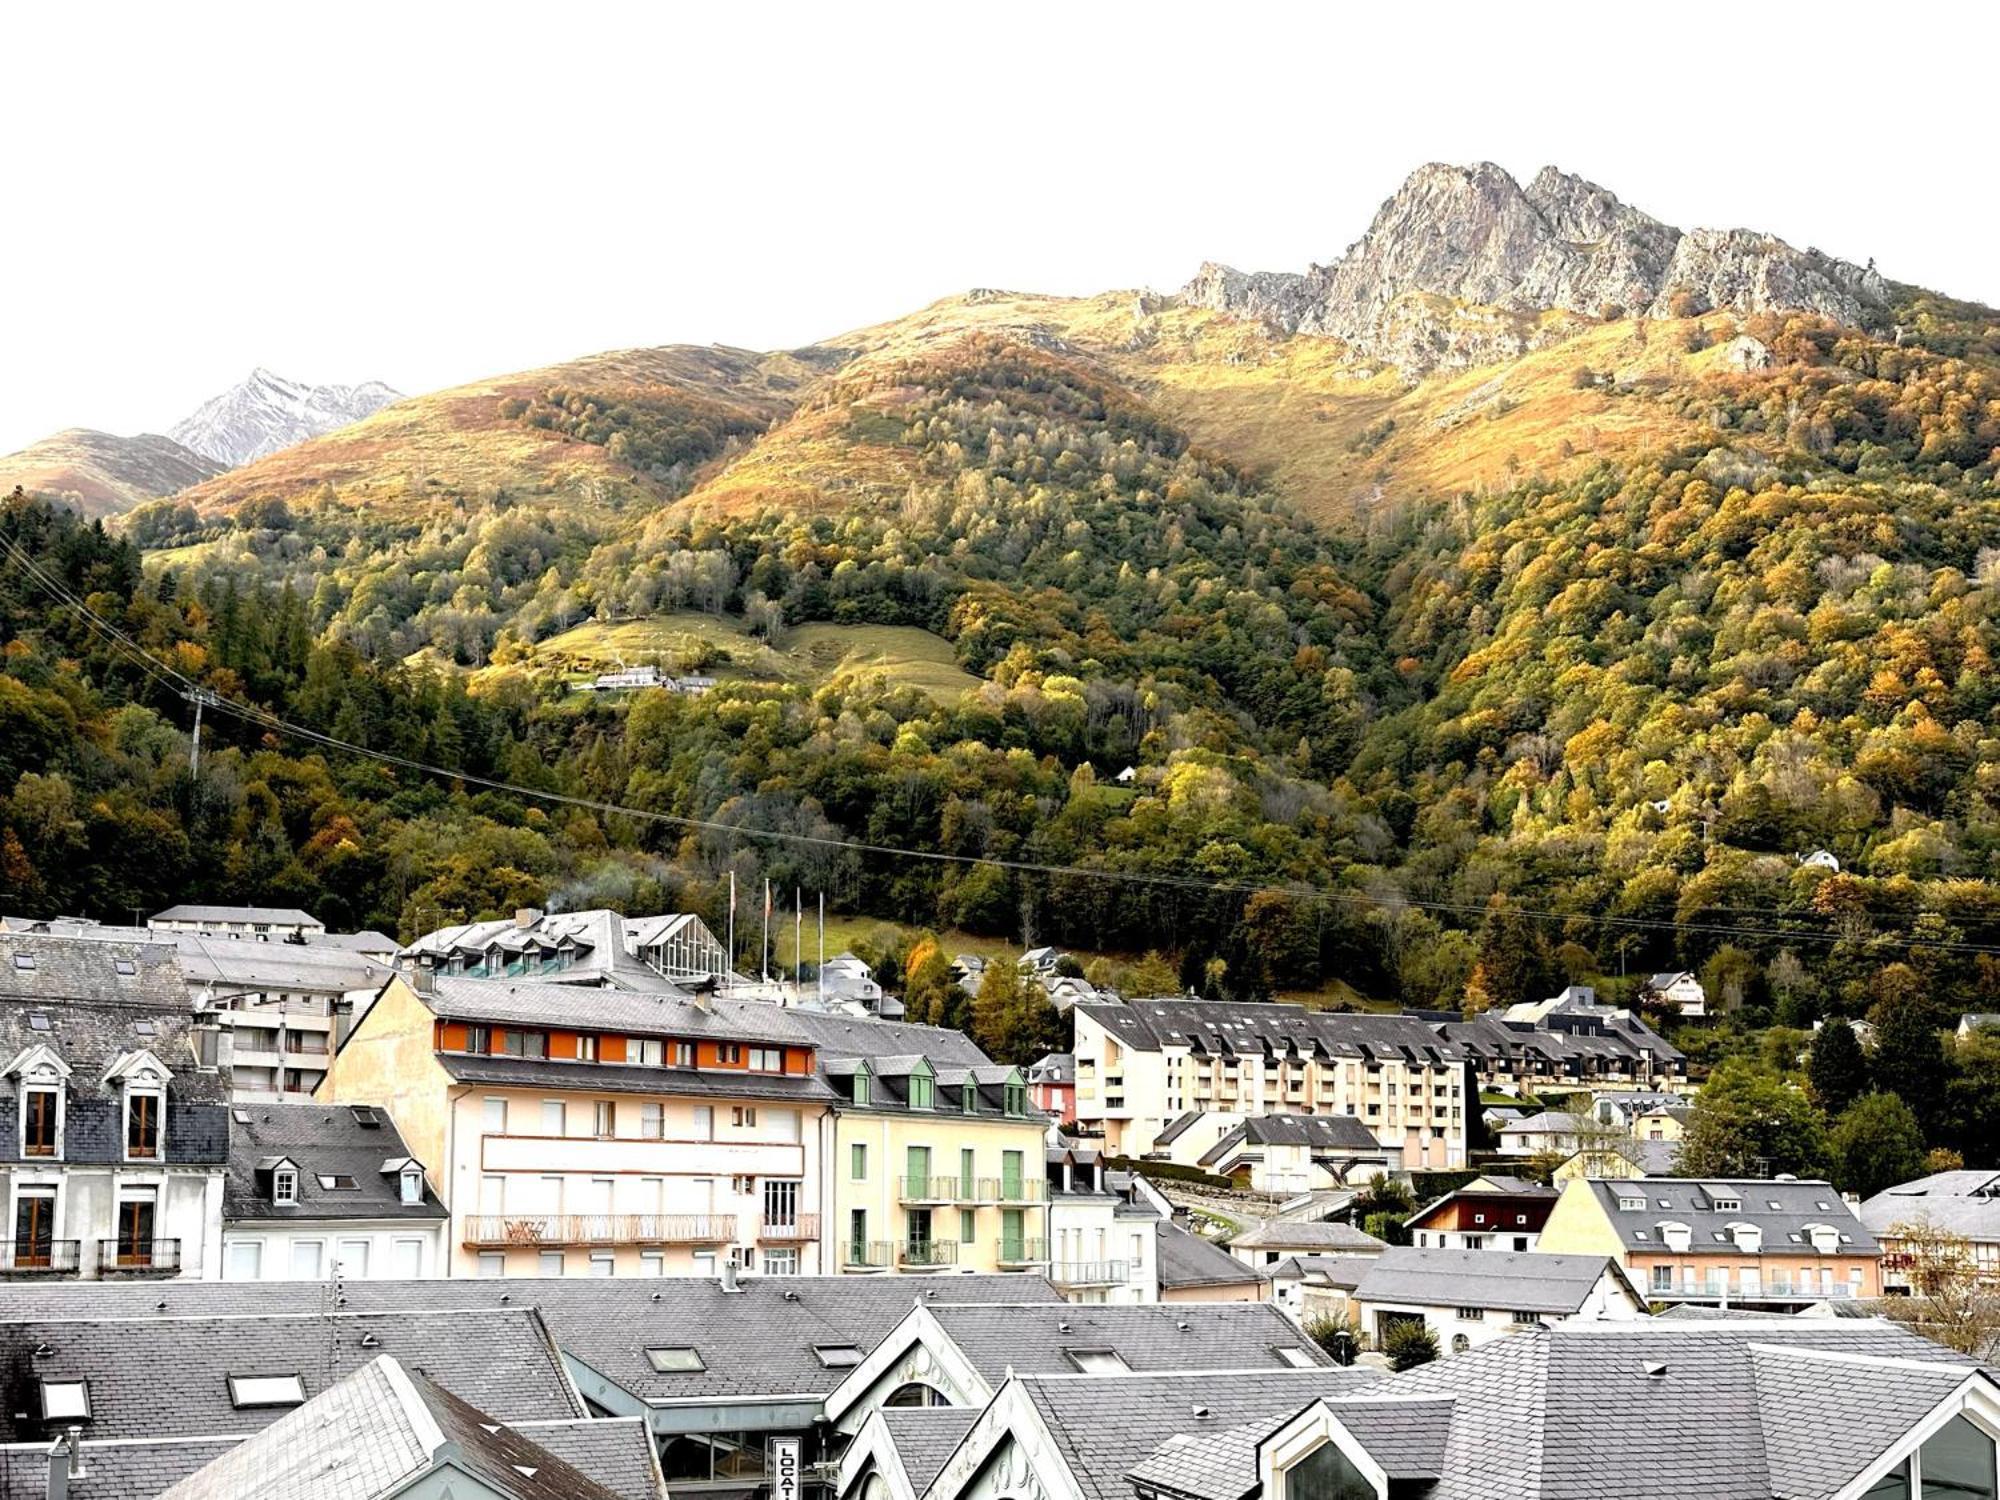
[178,683]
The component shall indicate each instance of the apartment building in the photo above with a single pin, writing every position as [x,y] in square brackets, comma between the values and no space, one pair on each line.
[1142,1065]
[594,1132]
[278,1008]
[255,924]
[1777,1244]
[596,948]
[1491,1212]
[1961,1203]
[1103,1229]
[938,1155]
[113,1137]
[1568,1042]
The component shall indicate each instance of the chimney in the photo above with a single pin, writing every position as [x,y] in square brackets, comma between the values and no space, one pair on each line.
[527,916]
[729,1282]
[65,1463]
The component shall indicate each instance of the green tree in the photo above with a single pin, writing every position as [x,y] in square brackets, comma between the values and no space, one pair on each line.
[1748,1122]
[1836,1069]
[1012,1019]
[1908,1058]
[1336,1334]
[1875,1144]
[1409,1343]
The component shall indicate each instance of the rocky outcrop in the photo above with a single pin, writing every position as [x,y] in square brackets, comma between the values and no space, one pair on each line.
[267,412]
[1453,239]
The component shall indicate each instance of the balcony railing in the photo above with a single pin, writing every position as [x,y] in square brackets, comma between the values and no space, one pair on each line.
[867,1255]
[56,1258]
[114,1256]
[1010,1190]
[1021,1252]
[923,1254]
[1088,1273]
[953,1189]
[1769,1289]
[789,1227]
[501,1230]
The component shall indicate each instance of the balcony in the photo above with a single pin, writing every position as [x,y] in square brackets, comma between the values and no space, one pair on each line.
[1015,1254]
[1766,1289]
[788,1229]
[953,1189]
[867,1255]
[1083,1273]
[1012,1190]
[54,1258]
[926,1255]
[138,1257]
[498,1231]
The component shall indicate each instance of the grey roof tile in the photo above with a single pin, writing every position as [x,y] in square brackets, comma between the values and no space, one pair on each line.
[1187,1260]
[325,1140]
[1148,1337]
[1529,1281]
[925,1437]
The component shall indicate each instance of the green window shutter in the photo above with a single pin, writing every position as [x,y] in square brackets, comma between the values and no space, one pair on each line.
[967,1220]
[1010,1174]
[965,1173]
[857,1161]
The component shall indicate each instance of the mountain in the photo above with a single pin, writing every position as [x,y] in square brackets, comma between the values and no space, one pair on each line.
[267,412]
[1502,257]
[103,474]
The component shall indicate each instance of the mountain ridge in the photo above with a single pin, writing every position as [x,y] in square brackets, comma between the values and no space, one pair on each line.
[266,411]
[103,473]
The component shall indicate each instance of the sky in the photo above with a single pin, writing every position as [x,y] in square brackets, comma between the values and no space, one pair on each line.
[430,193]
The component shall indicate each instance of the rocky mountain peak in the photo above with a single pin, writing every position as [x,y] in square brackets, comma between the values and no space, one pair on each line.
[1475,236]
[266,412]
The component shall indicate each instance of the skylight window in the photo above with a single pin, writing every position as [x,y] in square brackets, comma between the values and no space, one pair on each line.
[24,960]
[1294,1356]
[65,1400]
[675,1359]
[337,1182]
[124,966]
[38,1021]
[266,1390]
[1099,1361]
[838,1356]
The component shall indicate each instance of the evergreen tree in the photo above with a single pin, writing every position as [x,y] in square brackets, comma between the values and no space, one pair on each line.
[1875,1144]
[1748,1122]
[1836,1069]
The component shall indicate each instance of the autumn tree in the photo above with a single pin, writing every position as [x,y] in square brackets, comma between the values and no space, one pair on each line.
[1748,1122]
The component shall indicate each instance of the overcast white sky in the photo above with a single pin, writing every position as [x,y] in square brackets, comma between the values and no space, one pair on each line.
[428,193]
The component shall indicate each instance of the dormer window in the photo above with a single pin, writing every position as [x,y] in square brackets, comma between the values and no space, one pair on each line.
[860,1088]
[968,1098]
[1726,1205]
[41,1121]
[411,1184]
[1017,1099]
[143,1107]
[921,1092]
[285,1186]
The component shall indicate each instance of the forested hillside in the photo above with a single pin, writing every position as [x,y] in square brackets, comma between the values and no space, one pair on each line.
[1582,720]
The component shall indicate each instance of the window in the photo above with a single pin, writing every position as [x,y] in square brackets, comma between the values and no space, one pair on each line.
[65,1400]
[1726,1205]
[860,1088]
[549,1263]
[142,1123]
[1099,1361]
[680,1054]
[652,1263]
[603,1263]
[494,1117]
[838,1356]
[266,1390]
[653,1121]
[555,1117]
[478,1040]
[767,1059]
[968,1220]
[704,1122]
[24,961]
[604,1119]
[743,1114]
[285,1185]
[1521,1315]
[1472,1315]
[338,1182]
[1632,1205]
[1017,1098]
[1326,1473]
[492,1264]
[647,1051]
[729,1053]
[308,1259]
[675,1359]
[922,1093]
[412,1185]
[781,1262]
[968,1098]
[406,1259]
[857,1161]
[41,1109]
[586,1048]
[524,1043]
[1460,1343]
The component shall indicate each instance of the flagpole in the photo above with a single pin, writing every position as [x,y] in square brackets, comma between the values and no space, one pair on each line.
[729,969]
[764,961]
[798,939]
[822,945]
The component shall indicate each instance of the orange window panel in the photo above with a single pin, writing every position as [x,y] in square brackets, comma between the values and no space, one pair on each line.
[562,1044]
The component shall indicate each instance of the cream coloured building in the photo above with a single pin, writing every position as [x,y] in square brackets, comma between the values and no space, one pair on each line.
[1142,1066]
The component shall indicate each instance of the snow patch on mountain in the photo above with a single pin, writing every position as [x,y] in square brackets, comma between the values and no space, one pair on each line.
[267,412]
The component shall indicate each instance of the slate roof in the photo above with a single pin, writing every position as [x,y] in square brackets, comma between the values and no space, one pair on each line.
[1053,1068]
[532,1003]
[1309,1235]
[1221,1027]
[1148,1337]
[111,1471]
[372,1434]
[229,965]
[1558,1121]
[1106,1425]
[1187,1260]
[924,1437]
[87,971]
[1505,1279]
[1343,1271]
[755,1342]
[617,1452]
[1964,1203]
[859,1036]
[623,1078]
[279,915]
[1780,1209]
[1406,1437]
[141,1367]
[325,1140]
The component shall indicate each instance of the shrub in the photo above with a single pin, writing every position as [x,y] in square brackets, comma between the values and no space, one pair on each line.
[1409,1345]
[1336,1334]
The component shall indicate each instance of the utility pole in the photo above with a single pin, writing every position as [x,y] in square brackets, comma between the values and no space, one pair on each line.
[198,697]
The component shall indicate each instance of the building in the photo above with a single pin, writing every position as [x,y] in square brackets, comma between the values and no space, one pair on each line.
[1272,1240]
[1141,1065]
[1052,1086]
[1309,1287]
[598,948]
[1679,991]
[937,1153]
[317,1191]
[959,1355]
[1547,1132]
[583,1132]
[1297,1153]
[113,1135]
[1492,1212]
[1102,1245]
[846,980]
[1189,1268]
[1565,1043]
[280,1008]
[719,1369]
[257,924]
[1963,1203]
[387,1431]
[1471,1297]
[1779,1244]
[1581,1411]
[1620,1158]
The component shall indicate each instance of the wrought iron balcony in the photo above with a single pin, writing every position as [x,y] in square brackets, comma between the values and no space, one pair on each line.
[50,1258]
[122,1256]
[925,1254]
[498,1231]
